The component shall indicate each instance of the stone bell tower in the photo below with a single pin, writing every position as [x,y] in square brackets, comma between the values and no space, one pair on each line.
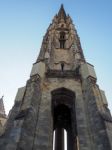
[61,105]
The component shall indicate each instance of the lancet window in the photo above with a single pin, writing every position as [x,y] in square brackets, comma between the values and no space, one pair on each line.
[62,40]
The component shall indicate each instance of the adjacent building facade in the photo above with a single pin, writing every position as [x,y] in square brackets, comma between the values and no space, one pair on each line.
[3,117]
[60,98]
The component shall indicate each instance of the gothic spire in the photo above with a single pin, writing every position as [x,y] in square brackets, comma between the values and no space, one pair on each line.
[62,13]
[61,34]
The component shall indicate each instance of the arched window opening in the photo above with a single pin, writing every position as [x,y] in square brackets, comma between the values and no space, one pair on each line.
[62,36]
[61,123]
[62,40]
[64,128]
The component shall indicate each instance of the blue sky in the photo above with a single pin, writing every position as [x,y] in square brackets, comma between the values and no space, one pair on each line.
[23,24]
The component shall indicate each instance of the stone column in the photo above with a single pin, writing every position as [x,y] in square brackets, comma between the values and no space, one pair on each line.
[59,139]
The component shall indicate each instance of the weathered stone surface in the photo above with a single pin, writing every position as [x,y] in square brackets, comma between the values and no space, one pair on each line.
[33,95]
[87,70]
[20,94]
[38,68]
[3,117]
[104,97]
[96,124]
[61,95]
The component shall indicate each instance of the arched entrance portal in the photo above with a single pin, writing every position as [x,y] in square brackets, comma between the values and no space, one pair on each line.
[64,119]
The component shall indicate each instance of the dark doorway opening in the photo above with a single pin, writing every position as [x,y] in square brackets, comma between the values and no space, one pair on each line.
[62,66]
[64,120]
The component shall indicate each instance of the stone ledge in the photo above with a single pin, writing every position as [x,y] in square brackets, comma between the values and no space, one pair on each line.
[62,74]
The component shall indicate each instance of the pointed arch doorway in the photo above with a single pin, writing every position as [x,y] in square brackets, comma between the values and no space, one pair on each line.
[64,120]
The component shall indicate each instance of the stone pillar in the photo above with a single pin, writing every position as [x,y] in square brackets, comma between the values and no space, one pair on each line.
[59,139]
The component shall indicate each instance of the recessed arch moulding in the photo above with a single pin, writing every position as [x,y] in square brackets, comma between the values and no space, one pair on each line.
[68,92]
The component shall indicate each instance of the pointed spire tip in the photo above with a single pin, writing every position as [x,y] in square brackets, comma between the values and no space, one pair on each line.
[62,13]
[62,5]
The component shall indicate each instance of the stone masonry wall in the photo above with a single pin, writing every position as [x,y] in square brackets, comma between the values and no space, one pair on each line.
[20,128]
[96,125]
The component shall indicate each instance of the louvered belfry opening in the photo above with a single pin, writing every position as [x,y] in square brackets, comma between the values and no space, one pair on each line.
[62,40]
[64,120]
